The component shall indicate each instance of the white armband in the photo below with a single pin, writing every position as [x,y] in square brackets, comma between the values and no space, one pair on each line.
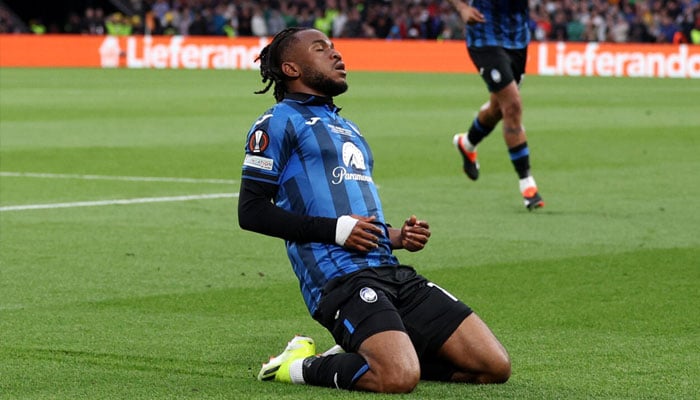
[343,228]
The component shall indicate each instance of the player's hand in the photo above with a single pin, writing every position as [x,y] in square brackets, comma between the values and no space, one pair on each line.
[365,235]
[471,15]
[414,234]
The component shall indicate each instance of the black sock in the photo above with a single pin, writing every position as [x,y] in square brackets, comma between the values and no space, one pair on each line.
[477,132]
[336,371]
[520,157]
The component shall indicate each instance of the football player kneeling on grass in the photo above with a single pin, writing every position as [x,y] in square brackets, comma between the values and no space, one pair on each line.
[307,178]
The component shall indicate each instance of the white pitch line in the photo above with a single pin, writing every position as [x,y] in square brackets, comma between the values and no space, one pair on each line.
[115,178]
[117,202]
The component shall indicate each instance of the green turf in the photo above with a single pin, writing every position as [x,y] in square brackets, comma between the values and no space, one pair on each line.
[594,296]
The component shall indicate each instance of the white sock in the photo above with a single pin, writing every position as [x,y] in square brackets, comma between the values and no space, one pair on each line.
[526,183]
[468,145]
[295,371]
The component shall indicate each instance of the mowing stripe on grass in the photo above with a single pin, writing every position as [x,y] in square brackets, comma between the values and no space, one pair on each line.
[115,178]
[118,202]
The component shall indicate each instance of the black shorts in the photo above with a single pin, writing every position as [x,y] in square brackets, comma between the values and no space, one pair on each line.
[498,66]
[356,306]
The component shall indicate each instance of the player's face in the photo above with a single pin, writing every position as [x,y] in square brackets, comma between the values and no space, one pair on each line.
[322,66]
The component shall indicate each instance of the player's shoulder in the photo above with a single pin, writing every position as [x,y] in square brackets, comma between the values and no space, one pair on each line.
[284,111]
[275,115]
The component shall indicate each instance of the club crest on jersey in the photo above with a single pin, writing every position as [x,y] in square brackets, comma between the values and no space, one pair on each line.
[258,141]
[368,295]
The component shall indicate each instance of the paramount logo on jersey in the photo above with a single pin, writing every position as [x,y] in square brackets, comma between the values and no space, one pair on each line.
[352,158]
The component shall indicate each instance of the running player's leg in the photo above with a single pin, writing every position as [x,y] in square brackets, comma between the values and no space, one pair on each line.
[510,103]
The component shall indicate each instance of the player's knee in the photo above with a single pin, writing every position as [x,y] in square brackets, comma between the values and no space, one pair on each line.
[499,371]
[400,380]
[512,109]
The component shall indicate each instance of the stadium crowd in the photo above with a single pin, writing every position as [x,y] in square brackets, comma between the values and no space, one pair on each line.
[623,21]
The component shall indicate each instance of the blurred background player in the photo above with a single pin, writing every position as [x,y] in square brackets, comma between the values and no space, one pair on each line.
[497,39]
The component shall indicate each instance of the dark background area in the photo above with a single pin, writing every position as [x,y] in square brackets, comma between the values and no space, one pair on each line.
[54,12]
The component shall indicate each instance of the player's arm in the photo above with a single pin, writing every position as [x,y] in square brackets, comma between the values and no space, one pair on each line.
[257,213]
[469,14]
[412,236]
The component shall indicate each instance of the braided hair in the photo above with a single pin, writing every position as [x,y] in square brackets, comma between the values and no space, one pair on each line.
[271,61]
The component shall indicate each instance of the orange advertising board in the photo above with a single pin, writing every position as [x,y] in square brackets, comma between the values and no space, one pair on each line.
[544,58]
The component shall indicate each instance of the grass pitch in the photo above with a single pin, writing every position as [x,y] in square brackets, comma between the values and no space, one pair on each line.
[594,296]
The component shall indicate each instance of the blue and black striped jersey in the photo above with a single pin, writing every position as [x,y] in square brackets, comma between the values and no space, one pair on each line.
[322,167]
[506,24]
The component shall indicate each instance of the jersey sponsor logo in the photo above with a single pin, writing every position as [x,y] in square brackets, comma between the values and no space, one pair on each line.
[258,141]
[368,295]
[352,158]
[340,174]
[258,162]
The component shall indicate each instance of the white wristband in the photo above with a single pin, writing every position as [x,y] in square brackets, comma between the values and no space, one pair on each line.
[343,228]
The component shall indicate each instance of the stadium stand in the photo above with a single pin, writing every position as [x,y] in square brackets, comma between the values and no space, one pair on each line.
[623,21]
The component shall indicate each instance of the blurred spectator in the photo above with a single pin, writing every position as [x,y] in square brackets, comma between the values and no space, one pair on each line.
[73,24]
[9,22]
[275,22]
[353,26]
[560,31]
[695,32]
[198,26]
[245,21]
[306,18]
[118,25]
[258,23]
[160,8]
[667,29]
[93,22]
[543,25]
[37,27]
[323,20]
[619,28]
[574,26]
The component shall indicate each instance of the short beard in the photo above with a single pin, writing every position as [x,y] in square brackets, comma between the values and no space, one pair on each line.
[321,83]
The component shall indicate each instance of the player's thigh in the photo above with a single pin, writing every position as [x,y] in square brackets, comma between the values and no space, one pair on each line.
[474,347]
[508,100]
[494,66]
[431,314]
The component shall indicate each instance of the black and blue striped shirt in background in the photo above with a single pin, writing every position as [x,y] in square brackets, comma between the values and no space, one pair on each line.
[506,24]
